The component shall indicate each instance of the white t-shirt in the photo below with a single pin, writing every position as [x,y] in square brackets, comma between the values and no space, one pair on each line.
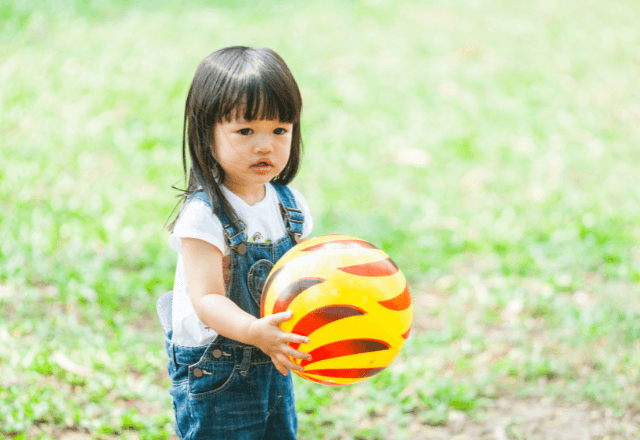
[263,222]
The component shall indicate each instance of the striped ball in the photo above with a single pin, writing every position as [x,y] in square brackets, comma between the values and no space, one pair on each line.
[349,298]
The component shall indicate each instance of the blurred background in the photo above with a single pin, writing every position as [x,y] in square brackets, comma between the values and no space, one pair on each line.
[489,147]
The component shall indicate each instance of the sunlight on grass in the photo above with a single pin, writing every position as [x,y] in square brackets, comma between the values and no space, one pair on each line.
[490,149]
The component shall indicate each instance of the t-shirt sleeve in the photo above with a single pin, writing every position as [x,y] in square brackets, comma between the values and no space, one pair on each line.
[197,221]
[302,205]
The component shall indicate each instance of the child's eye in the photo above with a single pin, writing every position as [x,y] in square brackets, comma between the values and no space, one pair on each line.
[245,131]
[279,131]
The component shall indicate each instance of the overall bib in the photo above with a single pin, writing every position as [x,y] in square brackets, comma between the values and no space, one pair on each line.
[226,389]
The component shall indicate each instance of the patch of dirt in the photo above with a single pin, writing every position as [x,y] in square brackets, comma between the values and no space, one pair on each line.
[508,416]
[511,418]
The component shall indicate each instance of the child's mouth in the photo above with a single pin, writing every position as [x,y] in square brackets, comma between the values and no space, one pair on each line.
[263,167]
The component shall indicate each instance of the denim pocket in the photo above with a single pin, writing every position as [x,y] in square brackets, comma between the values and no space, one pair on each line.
[257,276]
[207,379]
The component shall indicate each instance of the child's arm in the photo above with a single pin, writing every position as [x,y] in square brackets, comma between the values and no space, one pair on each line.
[203,271]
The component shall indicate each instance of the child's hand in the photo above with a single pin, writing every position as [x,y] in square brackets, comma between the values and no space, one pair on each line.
[267,336]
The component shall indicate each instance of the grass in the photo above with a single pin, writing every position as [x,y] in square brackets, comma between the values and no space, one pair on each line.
[488,147]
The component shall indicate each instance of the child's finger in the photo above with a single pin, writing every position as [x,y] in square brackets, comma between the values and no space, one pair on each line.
[298,339]
[288,363]
[279,366]
[297,354]
[278,318]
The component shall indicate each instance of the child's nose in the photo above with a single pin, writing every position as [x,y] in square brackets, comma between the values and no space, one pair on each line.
[264,145]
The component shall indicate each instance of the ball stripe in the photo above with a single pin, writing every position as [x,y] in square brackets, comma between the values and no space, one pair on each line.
[405,335]
[381,268]
[345,348]
[314,379]
[346,373]
[400,302]
[290,292]
[341,243]
[266,288]
[312,321]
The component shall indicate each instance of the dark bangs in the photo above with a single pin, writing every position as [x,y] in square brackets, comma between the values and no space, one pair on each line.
[255,82]
[263,93]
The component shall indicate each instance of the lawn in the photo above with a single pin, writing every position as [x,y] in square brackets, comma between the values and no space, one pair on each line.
[490,148]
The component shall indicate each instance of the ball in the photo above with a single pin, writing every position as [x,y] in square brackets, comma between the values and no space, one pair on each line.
[349,298]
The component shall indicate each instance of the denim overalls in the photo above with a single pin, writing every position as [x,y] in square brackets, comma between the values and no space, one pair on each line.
[229,390]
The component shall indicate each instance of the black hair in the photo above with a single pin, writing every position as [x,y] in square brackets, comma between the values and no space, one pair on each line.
[235,79]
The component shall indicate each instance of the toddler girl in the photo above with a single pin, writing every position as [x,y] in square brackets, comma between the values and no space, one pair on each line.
[228,367]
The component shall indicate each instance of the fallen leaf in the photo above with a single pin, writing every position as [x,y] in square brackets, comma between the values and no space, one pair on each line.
[411,156]
[514,308]
[68,365]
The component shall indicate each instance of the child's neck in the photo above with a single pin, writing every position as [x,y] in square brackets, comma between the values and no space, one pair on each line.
[250,195]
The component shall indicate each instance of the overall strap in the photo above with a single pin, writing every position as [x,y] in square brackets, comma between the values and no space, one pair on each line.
[198,195]
[234,231]
[292,216]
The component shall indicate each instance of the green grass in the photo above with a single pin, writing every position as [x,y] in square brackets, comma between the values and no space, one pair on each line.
[489,147]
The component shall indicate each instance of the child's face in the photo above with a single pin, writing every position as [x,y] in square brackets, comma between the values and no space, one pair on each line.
[251,153]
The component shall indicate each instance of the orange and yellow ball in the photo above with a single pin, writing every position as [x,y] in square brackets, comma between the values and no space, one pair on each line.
[349,298]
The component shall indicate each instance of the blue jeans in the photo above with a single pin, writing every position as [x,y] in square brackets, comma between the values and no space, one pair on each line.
[227,390]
